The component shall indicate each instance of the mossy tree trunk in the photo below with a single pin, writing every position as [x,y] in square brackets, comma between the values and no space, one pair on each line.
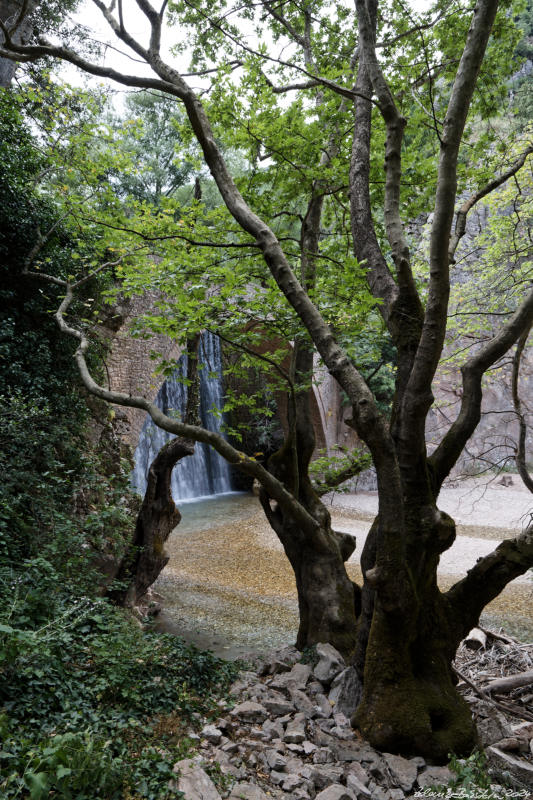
[407,638]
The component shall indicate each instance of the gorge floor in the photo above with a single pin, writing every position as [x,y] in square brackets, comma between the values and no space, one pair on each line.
[228,586]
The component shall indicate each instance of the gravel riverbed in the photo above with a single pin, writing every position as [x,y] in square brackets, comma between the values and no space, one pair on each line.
[229,587]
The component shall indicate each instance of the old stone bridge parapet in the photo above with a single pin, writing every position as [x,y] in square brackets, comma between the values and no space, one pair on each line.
[130,368]
[130,363]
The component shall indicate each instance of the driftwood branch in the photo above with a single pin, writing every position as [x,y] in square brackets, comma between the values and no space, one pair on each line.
[521,713]
[504,685]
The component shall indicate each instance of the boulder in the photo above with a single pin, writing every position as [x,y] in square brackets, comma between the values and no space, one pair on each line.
[357,787]
[295,732]
[303,703]
[323,776]
[292,782]
[296,679]
[212,734]
[277,778]
[402,770]
[493,729]
[323,756]
[322,706]
[329,665]
[435,776]
[378,793]
[336,792]
[247,791]
[275,760]
[273,729]
[396,794]
[277,705]
[346,691]
[356,769]
[194,782]
[250,712]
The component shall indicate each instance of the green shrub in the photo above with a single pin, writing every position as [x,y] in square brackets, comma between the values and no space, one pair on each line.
[88,692]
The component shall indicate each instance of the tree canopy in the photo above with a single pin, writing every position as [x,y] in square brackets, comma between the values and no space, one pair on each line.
[312,239]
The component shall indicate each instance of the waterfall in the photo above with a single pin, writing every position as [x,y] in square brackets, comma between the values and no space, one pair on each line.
[205,472]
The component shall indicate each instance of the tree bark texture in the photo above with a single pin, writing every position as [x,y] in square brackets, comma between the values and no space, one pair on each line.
[327,598]
[157,518]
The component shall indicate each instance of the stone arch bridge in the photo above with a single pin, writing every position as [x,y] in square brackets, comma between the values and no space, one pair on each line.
[130,369]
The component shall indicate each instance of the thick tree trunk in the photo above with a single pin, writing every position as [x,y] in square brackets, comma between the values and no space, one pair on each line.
[410,704]
[328,601]
[157,518]
[405,648]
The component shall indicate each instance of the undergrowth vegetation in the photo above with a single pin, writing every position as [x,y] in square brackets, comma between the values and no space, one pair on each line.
[92,707]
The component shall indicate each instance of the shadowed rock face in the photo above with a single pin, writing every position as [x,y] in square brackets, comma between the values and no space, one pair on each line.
[8,14]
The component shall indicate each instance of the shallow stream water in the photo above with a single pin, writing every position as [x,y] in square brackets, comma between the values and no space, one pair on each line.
[228,586]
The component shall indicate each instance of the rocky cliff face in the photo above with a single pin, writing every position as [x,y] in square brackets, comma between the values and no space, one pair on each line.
[495,439]
[9,9]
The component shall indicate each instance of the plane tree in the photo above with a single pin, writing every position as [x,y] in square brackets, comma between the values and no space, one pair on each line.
[369,81]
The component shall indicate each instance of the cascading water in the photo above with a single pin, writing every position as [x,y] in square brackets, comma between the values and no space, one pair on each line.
[206,472]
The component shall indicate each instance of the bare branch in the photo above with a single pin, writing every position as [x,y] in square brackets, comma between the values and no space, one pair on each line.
[460,220]
[434,328]
[451,446]
[155,22]
[292,87]
[27,53]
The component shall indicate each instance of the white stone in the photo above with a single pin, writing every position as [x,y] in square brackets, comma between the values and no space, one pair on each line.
[330,664]
[357,787]
[194,782]
[403,771]
[212,734]
[346,690]
[247,791]
[275,760]
[435,776]
[250,712]
[291,782]
[336,792]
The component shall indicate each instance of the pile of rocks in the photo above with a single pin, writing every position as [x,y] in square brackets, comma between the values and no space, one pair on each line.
[289,736]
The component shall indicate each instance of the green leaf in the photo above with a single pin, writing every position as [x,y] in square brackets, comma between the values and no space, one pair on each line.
[62,771]
[37,784]
[6,629]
